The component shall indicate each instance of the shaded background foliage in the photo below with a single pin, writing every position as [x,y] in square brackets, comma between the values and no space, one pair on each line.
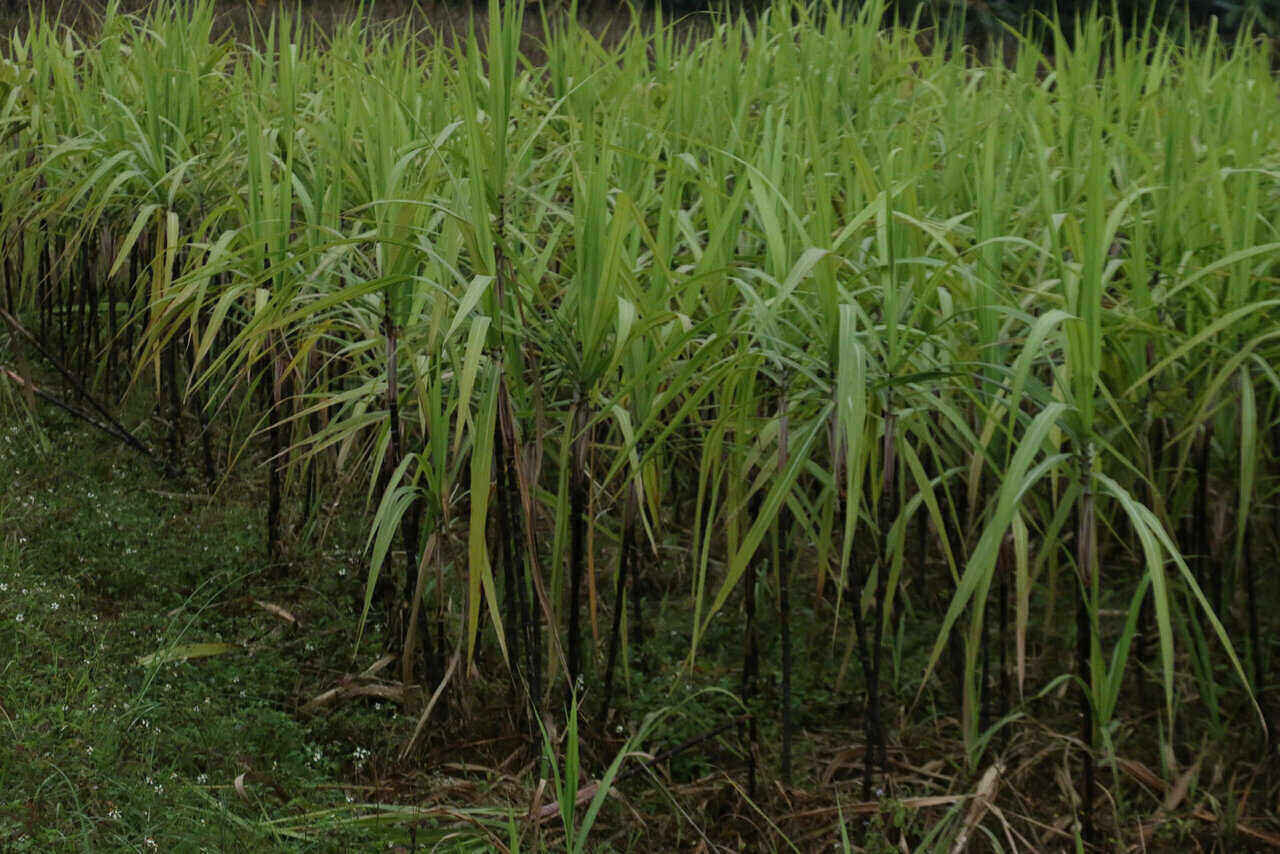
[980,17]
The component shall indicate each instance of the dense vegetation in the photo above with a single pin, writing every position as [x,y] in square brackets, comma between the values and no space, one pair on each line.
[810,363]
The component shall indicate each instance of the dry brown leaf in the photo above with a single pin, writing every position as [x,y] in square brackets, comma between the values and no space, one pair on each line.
[1057,829]
[244,778]
[536,805]
[842,759]
[869,807]
[552,810]
[929,770]
[378,666]
[1178,793]
[1271,839]
[978,807]
[1142,774]
[278,611]
[431,704]
[353,688]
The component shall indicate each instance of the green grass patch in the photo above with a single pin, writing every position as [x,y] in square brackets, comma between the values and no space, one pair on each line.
[148,698]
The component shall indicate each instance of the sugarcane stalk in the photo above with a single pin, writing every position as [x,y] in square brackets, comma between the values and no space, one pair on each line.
[1085,560]
[625,552]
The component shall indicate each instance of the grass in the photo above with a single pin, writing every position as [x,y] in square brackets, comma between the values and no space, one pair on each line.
[103,566]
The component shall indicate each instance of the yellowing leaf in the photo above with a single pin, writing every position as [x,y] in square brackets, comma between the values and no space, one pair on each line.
[185,651]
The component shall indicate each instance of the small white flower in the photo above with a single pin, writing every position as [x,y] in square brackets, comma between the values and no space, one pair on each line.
[53,606]
[151,843]
[202,779]
[114,815]
[89,750]
[19,618]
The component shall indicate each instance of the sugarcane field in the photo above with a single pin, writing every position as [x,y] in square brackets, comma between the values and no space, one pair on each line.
[579,427]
